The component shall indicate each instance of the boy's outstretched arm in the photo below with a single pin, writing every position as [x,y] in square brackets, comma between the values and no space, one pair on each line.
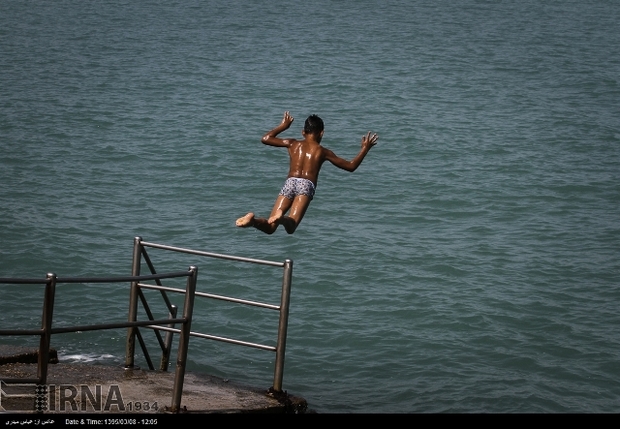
[368,141]
[271,137]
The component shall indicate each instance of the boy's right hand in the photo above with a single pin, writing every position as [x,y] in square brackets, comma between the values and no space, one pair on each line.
[369,141]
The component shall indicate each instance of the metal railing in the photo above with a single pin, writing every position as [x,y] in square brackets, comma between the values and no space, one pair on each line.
[140,254]
[167,324]
[47,330]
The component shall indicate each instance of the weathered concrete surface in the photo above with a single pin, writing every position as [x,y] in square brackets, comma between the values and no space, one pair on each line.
[127,388]
[16,354]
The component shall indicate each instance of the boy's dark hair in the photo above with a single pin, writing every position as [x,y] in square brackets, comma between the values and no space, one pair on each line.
[313,125]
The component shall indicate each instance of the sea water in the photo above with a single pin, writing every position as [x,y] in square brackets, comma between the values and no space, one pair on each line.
[471,263]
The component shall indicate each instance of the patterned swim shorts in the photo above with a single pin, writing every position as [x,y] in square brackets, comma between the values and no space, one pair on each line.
[297,186]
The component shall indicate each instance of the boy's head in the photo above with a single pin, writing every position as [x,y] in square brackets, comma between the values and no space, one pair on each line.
[313,125]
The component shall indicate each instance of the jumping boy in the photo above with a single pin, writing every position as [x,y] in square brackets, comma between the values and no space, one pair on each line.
[307,156]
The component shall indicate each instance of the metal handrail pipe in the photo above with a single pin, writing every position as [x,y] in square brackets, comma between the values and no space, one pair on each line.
[233,341]
[23,281]
[213,255]
[164,328]
[38,331]
[212,296]
[216,338]
[157,287]
[123,278]
[238,301]
[66,329]
[20,381]
[96,279]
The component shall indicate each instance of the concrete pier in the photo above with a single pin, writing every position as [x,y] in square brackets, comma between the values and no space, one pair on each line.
[80,388]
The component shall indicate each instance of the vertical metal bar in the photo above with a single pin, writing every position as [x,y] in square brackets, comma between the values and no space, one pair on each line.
[149,314]
[46,327]
[283,325]
[165,358]
[147,357]
[133,304]
[147,259]
[188,308]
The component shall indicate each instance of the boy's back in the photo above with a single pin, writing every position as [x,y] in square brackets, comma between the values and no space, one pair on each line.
[306,159]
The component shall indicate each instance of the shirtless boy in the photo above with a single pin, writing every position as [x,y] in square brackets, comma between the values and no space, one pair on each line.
[307,156]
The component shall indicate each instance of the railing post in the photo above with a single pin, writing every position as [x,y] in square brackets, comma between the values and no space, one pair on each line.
[188,308]
[133,304]
[283,325]
[46,327]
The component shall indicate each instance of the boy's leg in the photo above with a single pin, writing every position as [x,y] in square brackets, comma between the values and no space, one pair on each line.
[281,205]
[298,209]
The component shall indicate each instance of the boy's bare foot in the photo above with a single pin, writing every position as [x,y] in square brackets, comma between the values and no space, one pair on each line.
[276,217]
[245,221]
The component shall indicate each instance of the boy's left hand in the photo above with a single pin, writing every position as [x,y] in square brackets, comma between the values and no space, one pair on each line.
[287,120]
